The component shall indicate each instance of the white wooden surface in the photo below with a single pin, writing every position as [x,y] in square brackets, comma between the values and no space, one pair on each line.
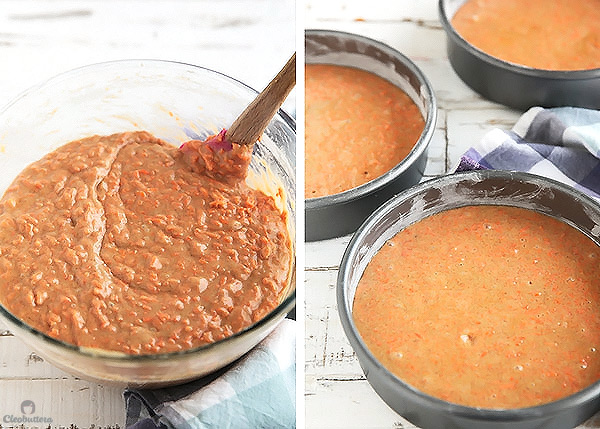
[246,39]
[336,392]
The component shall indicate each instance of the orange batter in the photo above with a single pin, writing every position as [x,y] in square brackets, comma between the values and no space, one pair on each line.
[358,126]
[485,306]
[127,243]
[550,35]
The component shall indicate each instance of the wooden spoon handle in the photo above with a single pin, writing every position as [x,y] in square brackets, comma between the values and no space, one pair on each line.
[250,125]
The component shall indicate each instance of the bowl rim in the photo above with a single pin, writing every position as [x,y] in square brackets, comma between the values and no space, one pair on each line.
[282,308]
[549,74]
[133,61]
[420,145]
[587,394]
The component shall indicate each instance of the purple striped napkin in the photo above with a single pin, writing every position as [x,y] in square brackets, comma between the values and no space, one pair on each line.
[560,143]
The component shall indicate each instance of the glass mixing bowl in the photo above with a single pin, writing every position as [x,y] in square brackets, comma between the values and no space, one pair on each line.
[175,102]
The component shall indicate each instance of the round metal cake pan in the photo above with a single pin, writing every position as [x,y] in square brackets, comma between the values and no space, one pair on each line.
[511,84]
[462,189]
[340,214]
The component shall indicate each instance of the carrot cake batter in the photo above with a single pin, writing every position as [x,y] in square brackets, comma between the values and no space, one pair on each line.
[127,243]
[485,306]
[549,35]
[358,126]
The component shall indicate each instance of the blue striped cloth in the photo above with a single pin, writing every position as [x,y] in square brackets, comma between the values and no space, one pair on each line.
[561,143]
[257,391]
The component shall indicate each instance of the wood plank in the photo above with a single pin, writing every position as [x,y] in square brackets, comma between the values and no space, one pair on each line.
[347,11]
[62,402]
[19,362]
[327,348]
[325,254]
[348,404]
[436,152]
